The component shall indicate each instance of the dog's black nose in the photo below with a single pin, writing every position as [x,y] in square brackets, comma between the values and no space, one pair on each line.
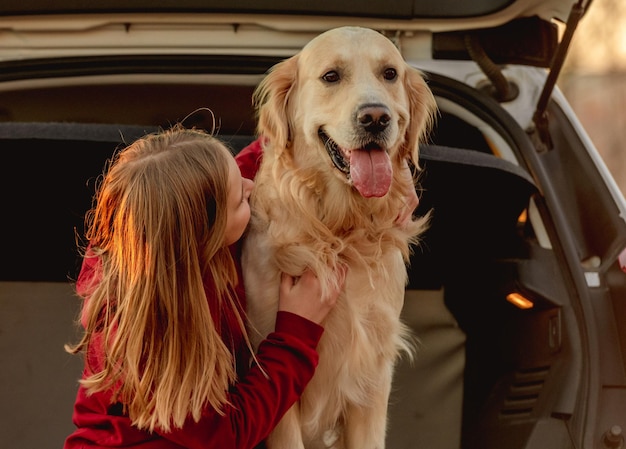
[374,118]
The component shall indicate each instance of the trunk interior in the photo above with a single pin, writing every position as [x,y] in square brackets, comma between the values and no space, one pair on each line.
[487,374]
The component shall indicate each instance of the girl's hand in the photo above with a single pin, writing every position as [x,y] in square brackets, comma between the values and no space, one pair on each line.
[411,201]
[303,296]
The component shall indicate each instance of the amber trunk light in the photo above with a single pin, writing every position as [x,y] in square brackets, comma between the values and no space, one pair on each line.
[519,300]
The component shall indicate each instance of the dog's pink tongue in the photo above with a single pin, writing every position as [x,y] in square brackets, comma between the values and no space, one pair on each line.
[370,171]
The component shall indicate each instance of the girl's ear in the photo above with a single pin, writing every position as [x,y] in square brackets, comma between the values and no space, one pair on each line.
[271,101]
[423,108]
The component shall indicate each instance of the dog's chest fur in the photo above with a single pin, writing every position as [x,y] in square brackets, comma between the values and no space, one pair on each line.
[291,229]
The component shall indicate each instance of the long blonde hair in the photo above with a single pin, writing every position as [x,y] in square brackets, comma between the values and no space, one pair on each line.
[158,226]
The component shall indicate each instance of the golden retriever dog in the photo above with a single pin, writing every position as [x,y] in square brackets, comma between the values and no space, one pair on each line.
[341,120]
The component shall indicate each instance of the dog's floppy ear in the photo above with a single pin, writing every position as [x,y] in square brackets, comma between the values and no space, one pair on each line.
[423,109]
[271,99]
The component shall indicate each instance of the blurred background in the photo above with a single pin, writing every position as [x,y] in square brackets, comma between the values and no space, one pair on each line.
[594,81]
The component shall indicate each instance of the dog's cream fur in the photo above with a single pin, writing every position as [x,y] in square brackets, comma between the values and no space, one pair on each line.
[307,213]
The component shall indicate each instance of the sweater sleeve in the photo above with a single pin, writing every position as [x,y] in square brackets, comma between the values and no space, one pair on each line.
[259,400]
[249,159]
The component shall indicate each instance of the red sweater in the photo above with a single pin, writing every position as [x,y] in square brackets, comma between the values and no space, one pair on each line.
[257,403]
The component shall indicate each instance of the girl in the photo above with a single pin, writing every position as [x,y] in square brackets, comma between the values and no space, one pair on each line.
[165,344]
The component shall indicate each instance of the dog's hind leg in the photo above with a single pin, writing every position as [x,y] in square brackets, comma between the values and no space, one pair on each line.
[287,434]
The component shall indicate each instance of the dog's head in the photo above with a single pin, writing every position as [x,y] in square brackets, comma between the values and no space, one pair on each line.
[349,100]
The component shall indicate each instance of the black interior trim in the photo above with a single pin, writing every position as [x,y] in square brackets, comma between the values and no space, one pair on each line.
[50,169]
[135,64]
[526,41]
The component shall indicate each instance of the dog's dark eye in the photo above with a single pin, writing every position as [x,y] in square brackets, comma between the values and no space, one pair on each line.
[331,77]
[390,74]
